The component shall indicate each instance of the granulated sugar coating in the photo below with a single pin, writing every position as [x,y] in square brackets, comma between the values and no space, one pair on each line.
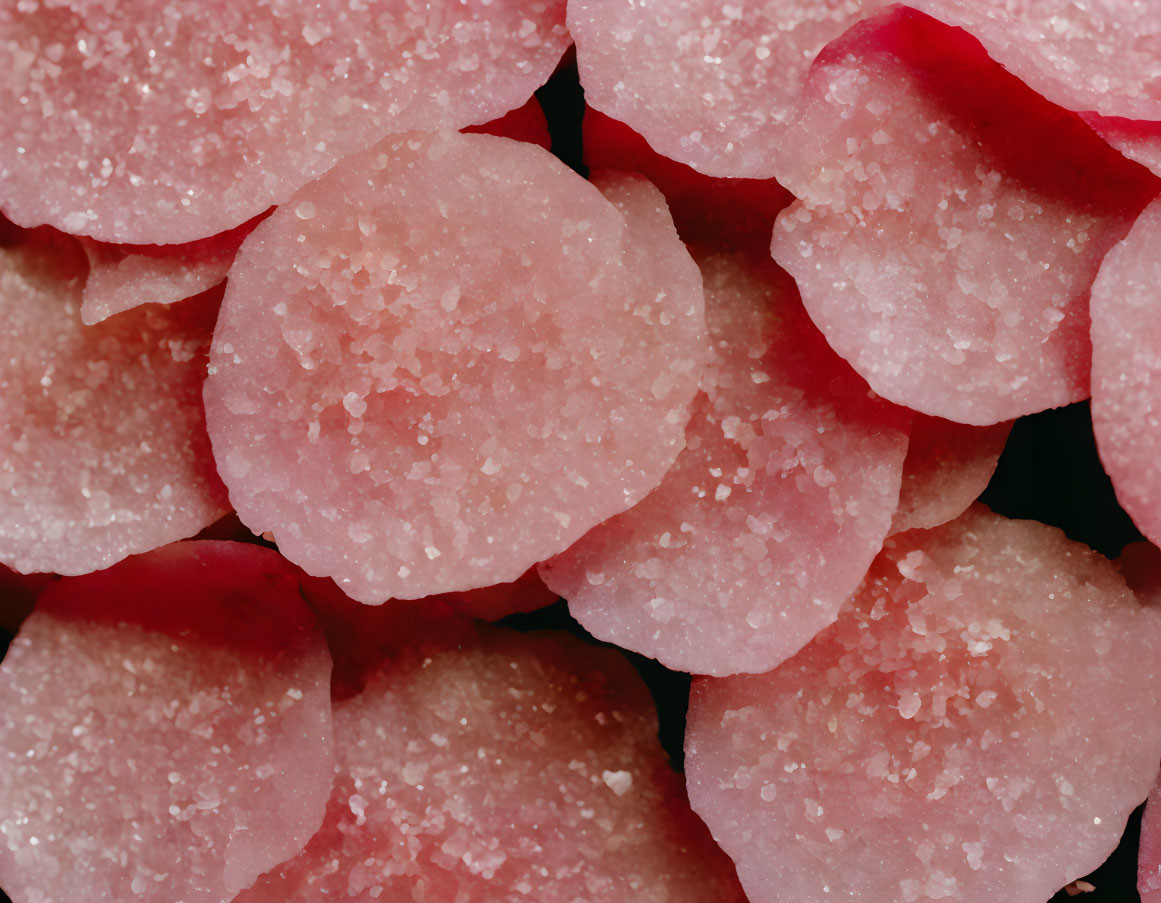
[1137,140]
[978,725]
[518,767]
[1149,851]
[716,85]
[948,465]
[167,122]
[473,359]
[1126,370]
[165,730]
[773,513]
[948,235]
[103,449]
[122,277]
[711,85]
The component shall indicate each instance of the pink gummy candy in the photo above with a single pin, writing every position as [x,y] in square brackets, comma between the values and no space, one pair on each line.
[166,730]
[472,359]
[1126,370]
[103,448]
[1149,850]
[947,236]
[770,517]
[927,746]
[122,277]
[1137,140]
[711,85]
[716,85]
[948,465]
[144,122]
[516,767]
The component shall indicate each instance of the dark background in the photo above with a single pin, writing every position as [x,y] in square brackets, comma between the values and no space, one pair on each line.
[1048,472]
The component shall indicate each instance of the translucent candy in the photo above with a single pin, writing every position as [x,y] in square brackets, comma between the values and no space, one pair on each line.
[517,767]
[150,122]
[1126,370]
[1140,141]
[166,730]
[951,224]
[474,358]
[948,465]
[773,513]
[978,725]
[103,448]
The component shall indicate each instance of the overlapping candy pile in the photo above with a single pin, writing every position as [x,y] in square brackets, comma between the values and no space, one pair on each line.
[315,358]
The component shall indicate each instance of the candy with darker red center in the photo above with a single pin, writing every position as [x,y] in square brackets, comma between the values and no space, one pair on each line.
[722,213]
[122,277]
[165,729]
[948,465]
[947,238]
[514,767]
[139,122]
[771,516]
[978,725]
[474,358]
[103,449]
[1126,370]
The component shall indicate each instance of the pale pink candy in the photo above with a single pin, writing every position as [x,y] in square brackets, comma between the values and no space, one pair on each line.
[948,465]
[951,224]
[1084,56]
[526,123]
[144,122]
[1149,850]
[709,84]
[103,449]
[1140,564]
[1126,370]
[716,85]
[978,725]
[517,767]
[122,277]
[770,517]
[166,730]
[473,358]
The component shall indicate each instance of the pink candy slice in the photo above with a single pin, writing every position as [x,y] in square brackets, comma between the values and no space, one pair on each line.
[947,236]
[1140,141]
[712,85]
[772,514]
[978,725]
[449,359]
[515,768]
[122,277]
[948,465]
[103,449]
[165,730]
[1126,370]
[716,85]
[140,122]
